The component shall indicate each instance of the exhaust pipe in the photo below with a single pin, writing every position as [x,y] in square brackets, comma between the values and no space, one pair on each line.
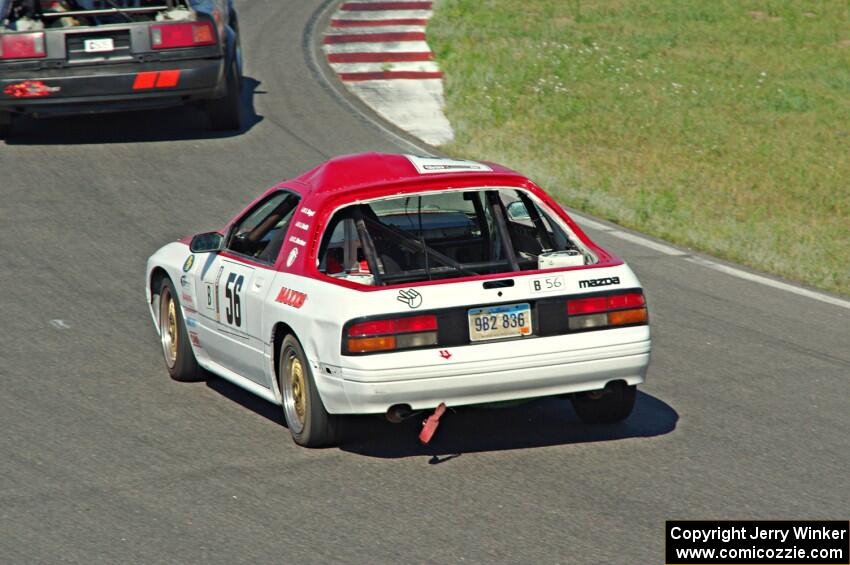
[397,413]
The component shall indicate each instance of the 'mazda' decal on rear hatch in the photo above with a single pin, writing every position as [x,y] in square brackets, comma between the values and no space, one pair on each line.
[607,281]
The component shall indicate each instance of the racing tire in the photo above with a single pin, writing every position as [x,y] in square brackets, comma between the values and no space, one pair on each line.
[176,349]
[225,113]
[5,125]
[605,406]
[309,423]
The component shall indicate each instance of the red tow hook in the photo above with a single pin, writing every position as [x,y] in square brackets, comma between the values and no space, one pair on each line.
[429,426]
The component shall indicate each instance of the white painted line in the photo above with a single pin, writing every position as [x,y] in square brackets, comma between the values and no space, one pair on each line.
[373,30]
[383,14]
[59,324]
[413,105]
[660,247]
[585,221]
[382,2]
[392,47]
[423,66]
[640,240]
[735,272]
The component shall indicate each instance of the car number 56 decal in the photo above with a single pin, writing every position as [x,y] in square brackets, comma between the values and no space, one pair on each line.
[232,293]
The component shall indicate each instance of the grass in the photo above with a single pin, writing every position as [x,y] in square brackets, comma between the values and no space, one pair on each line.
[723,126]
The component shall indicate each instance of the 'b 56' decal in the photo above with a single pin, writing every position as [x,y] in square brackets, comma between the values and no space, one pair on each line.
[291,297]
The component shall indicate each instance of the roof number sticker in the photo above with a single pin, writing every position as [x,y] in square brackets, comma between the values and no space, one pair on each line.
[432,165]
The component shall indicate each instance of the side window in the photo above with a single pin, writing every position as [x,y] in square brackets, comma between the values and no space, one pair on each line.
[341,251]
[261,232]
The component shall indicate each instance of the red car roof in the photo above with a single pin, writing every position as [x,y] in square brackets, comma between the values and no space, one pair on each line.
[368,170]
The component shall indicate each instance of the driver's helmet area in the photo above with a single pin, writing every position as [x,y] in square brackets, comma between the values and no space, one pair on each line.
[261,232]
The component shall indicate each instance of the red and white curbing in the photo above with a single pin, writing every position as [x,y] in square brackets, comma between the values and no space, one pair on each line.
[378,50]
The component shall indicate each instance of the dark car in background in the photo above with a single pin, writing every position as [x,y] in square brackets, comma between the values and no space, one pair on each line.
[91,56]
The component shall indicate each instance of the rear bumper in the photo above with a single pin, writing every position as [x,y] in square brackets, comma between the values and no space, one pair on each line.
[522,376]
[110,88]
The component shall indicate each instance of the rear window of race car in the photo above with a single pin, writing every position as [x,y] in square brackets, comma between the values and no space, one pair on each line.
[444,235]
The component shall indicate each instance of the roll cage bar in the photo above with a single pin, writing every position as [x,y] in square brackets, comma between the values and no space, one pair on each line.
[364,220]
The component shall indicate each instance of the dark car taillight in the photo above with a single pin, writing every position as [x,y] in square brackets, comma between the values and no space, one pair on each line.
[606,311]
[391,334]
[22,45]
[189,34]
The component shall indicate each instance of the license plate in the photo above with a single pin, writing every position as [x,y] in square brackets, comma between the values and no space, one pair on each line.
[99,45]
[498,322]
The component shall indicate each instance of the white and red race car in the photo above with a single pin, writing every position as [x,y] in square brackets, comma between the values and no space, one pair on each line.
[393,284]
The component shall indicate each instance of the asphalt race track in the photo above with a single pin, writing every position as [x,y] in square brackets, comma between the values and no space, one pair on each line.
[104,459]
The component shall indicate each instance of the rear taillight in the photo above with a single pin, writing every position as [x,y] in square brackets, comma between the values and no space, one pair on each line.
[606,311]
[391,334]
[189,34]
[22,45]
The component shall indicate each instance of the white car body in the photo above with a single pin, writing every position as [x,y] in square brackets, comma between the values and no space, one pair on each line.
[286,297]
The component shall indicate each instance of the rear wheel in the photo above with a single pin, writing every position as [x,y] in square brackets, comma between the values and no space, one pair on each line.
[179,357]
[226,113]
[613,404]
[5,125]
[308,421]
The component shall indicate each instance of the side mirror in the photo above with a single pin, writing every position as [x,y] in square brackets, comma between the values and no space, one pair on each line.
[206,242]
[517,211]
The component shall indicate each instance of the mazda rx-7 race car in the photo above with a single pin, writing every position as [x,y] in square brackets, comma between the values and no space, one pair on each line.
[393,284]
[87,56]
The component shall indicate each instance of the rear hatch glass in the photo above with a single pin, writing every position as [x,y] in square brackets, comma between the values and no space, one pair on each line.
[450,234]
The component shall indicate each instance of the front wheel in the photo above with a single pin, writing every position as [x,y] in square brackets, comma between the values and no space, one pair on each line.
[606,406]
[179,357]
[308,421]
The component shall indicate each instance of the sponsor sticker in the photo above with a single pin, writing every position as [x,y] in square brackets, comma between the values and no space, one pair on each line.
[191,322]
[410,297]
[209,303]
[291,297]
[297,241]
[196,341]
[302,226]
[293,255]
[308,212]
[432,165]
[30,89]
[546,284]
[605,281]
[445,354]
[190,260]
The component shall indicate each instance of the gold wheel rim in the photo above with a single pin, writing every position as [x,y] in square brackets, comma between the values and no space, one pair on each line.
[169,331]
[297,384]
